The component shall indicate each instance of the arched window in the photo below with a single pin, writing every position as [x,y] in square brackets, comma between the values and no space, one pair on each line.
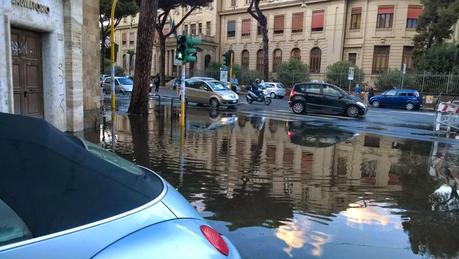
[245,59]
[296,54]
[260,60]
[277,59]
[207,60]
[316,54]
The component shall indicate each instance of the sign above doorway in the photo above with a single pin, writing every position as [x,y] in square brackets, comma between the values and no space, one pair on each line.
[32,5]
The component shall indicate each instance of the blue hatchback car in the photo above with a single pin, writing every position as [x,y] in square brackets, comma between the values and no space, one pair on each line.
[398,98]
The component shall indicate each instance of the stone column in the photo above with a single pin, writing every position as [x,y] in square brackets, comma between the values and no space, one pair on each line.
[91,62]
[73,21]
[6,83]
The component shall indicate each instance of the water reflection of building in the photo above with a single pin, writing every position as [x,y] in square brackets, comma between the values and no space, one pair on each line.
[260,153]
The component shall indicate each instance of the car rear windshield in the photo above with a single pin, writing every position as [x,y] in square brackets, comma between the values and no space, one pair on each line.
[50,183]
[125,81]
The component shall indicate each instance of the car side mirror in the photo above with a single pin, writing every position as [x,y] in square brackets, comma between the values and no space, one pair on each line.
[341,96]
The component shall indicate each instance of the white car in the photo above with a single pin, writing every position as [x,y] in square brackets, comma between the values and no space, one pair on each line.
[274,89]
[123,85]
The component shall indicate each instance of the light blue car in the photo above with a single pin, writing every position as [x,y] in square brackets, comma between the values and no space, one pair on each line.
[62,197]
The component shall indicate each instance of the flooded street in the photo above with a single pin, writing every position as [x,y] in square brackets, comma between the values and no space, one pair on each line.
[281,189]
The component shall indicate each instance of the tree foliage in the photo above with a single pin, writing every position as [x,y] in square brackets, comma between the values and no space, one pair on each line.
[439,59]
[255,11]
[435,24]
[337,74]
[293,71]
[392,78]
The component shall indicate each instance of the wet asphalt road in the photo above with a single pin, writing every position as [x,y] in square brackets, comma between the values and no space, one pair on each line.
[416,125]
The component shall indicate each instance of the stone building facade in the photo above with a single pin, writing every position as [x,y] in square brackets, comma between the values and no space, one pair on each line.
[375,35]
[201,23]
[48,51]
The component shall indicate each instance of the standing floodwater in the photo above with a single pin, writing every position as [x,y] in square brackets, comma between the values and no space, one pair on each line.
[287,189]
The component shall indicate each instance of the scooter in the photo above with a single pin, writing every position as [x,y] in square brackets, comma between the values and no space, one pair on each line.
[263,97]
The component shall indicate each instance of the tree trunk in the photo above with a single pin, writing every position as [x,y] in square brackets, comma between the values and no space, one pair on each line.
[142,72]
[265,52]
[162,58]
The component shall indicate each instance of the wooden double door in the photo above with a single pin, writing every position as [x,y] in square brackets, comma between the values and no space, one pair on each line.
[27,72]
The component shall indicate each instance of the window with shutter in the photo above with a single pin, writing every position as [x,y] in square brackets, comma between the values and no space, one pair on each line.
[297,22]
[414,11]
[356,18]
[318,20]
[385,17]
[245,32]
[278,24]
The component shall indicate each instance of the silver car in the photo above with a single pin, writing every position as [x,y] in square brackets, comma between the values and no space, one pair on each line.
[210,92]
[62,197]
[123,85]
[274,89]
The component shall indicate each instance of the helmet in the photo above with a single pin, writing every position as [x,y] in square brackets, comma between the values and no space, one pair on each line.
[257,81]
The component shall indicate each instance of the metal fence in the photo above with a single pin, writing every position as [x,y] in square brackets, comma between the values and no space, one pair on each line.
[426,83]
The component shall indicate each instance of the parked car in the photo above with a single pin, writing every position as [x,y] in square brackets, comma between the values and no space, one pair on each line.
[63,197]
[398,98]
[210,92]
[324,98]
[274,89]
[123,85]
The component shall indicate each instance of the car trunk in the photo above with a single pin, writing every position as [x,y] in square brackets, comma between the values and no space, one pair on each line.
[54,182]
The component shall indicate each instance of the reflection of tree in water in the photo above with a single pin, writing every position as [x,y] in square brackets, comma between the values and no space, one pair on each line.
[430,233]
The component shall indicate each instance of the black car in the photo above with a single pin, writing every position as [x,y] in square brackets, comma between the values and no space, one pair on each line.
[324,98]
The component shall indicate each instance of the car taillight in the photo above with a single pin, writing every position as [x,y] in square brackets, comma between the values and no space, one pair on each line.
[292,92]
[215,239]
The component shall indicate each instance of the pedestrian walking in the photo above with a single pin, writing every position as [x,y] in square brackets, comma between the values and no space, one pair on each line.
[157,81]
[357,90]
[371,92]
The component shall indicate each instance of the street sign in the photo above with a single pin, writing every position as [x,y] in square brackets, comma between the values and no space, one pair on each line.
[404,69]
[350,75]
[177,62]
[224,74]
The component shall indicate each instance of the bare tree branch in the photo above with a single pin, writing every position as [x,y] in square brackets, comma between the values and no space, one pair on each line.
[173,30]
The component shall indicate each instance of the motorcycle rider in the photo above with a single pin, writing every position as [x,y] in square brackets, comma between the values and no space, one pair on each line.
[255,88]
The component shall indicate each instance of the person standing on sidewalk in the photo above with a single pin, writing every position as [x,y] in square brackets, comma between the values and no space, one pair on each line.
[157,81]
[358,90]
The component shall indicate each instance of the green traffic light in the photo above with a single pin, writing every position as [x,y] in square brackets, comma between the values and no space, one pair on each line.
[186,50]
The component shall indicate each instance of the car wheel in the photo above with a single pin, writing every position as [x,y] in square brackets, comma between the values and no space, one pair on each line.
[213,103]
[352,111]
[273,95]
[298,107]
[410,107]
[376,104]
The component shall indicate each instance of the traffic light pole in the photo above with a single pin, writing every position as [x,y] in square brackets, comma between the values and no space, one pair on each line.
[182,97]
[230,70]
